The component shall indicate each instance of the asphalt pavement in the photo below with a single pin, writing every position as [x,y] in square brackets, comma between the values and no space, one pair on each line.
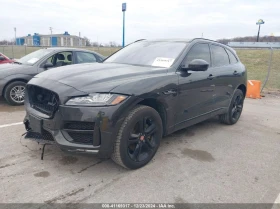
[206,163]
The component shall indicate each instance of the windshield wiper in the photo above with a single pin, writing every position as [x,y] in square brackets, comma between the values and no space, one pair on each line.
[17,62]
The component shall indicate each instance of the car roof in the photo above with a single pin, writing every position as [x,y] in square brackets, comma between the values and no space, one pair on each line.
[67,48]
[58,49]
[182,40]
[178,40]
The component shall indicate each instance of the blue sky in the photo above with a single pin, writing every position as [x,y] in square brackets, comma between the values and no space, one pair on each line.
[102,20]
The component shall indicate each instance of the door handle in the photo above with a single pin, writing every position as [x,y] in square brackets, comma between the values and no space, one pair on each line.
[210,77]
[235,73]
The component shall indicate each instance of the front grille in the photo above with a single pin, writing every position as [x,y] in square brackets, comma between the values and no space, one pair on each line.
[79,126]
[43,100]
[81,138]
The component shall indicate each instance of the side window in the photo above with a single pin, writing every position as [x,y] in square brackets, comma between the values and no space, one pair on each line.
[60,59]
[85,57]
[198,51]
[232,58]
[220,56]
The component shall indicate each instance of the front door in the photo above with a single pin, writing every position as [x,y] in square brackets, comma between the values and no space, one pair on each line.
[196,88]
[57,60]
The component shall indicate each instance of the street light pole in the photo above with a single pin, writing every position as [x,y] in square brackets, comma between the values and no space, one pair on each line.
[51,36]
[123,10]
[260,22]
[15,36]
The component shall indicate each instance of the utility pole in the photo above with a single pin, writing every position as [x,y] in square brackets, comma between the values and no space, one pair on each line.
[123,10]
[79,38]
[15,29]
[260,22]
[51,36]
[202,35]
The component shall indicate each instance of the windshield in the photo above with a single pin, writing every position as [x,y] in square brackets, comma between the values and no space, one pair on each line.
[157,54]
[33,57]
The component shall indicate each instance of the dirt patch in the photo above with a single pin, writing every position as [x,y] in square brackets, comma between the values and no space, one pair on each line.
[94,164]
[68,160]
[69,194]
[43,174]
[198,155]
[179,200]
[4,166]
[189,133]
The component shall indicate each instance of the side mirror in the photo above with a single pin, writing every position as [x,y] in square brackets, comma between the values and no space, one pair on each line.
[197,65]
[2,58]
[48,65]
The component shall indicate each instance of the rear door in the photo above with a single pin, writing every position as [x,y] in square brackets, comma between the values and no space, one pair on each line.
[196,89]
[85,57]
[224,73]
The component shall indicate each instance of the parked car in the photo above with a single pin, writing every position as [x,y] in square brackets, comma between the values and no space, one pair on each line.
[122,107]
[4,59]
[14,76]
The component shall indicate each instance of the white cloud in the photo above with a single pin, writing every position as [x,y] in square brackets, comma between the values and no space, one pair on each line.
[102,20]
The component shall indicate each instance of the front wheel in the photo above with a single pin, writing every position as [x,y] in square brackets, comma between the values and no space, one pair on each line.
[234,110]
[14,93]
[138,138]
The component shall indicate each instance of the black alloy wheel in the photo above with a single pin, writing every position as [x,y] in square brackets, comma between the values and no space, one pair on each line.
[142,142]
[235,109]
[138,138]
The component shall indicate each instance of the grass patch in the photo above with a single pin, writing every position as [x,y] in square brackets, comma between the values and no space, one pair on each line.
[256,62]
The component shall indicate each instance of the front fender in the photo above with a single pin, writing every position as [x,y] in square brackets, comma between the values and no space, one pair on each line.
[16,77]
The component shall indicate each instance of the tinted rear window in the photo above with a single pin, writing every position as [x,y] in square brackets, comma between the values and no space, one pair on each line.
[232,58]
[220,57]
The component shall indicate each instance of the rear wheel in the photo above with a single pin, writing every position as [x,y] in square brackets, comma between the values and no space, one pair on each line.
[235,109]
[15,92]
[138,138]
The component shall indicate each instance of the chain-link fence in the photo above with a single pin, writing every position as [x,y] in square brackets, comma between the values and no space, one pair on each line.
[20,51]
[259,62]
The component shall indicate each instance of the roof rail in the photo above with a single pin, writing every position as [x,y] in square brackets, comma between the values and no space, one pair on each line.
[139,40]
[206,40]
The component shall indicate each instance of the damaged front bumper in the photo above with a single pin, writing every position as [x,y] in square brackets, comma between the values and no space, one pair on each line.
[73,128]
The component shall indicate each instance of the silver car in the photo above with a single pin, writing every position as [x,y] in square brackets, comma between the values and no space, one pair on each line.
[14,76]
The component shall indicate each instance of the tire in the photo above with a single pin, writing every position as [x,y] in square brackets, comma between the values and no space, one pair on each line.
[137,144]
[235,109]
[14,93]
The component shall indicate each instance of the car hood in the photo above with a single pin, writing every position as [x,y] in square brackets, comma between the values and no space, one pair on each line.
[100,77]
[12,68]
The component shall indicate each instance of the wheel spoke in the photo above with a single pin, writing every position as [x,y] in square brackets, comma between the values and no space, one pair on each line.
[149,144]
[133,139]
[137,151]
[239,108]
[134,136]
[233,111]
[151,129]
[142,124]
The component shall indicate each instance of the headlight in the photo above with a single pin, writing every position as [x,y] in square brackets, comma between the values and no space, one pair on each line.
[97,99]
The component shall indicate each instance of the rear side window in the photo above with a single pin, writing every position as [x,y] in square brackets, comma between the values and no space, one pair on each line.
[219,56]
[84,57]
[198,51]
[232,58]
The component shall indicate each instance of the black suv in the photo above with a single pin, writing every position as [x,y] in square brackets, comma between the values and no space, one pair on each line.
[121,108]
